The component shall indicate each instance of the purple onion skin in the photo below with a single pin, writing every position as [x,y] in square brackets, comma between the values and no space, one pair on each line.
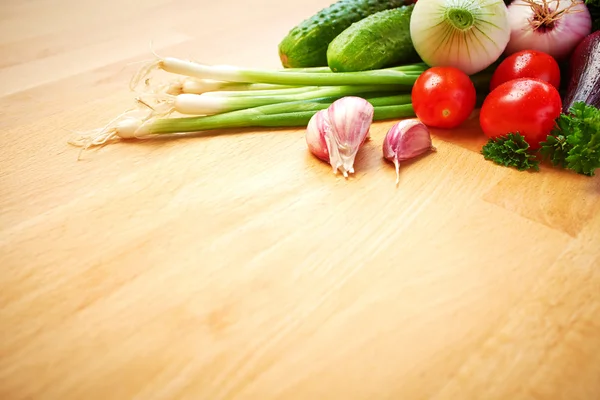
[584,81]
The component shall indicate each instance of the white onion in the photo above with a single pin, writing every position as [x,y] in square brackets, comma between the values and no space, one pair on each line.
[558,40]
[467,34]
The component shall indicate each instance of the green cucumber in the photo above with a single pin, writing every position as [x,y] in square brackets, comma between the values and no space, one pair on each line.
[379,41]
[306,44]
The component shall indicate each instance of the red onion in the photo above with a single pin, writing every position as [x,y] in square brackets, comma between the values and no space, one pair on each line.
[554,27]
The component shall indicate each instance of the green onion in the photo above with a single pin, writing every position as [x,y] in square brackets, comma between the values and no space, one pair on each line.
[406,68]
[199,86]
[290,114]
[282,91]
[219,102]
[291,119]
[270,115]
[403,75]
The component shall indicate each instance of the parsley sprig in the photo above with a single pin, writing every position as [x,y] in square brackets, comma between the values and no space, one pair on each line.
[510,150]
[594,9]
[575,141]
[574,144]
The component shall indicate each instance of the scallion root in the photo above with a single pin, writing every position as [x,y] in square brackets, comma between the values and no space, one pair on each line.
[129,125]
[143,75]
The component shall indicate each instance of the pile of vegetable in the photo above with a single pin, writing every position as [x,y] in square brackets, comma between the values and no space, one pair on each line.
[527,120]
[532,66]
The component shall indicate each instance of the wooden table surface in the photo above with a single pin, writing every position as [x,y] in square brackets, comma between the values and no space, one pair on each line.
[237,266]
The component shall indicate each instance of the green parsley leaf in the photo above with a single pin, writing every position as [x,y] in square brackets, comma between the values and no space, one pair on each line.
[575,141]
[594,9]
[510,150]
[554,149]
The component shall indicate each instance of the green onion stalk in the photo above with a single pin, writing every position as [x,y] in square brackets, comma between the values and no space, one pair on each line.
[187,84]
[220,102]
[132,125]
[401,75]
[275,115]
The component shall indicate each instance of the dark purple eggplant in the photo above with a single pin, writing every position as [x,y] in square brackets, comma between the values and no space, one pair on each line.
[584,74]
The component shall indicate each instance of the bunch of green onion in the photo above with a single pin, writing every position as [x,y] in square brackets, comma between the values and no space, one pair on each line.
[222,97]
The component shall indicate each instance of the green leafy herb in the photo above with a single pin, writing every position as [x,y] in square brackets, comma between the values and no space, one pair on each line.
[575,142]
[555,149]
[510,150]
[594,9]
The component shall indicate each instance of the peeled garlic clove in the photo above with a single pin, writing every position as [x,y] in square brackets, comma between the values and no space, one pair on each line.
[406,139]
[315,135]
[350,119]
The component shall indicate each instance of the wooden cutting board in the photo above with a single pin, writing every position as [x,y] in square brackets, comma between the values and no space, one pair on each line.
[237,266]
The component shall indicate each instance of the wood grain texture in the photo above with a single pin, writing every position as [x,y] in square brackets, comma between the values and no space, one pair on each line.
[237,266]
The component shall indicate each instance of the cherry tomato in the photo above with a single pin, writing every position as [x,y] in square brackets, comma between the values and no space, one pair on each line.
[527,64]
[443,97]
[527,106]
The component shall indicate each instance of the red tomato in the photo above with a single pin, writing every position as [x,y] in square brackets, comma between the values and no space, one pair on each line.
[443,97]
[527,106]
[527,64]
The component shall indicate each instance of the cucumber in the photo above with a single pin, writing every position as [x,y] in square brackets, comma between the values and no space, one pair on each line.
[381,40]
[306,44]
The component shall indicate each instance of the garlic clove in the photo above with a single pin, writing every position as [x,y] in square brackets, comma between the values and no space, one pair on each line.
[315,135]
[407,139]
[350,119]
